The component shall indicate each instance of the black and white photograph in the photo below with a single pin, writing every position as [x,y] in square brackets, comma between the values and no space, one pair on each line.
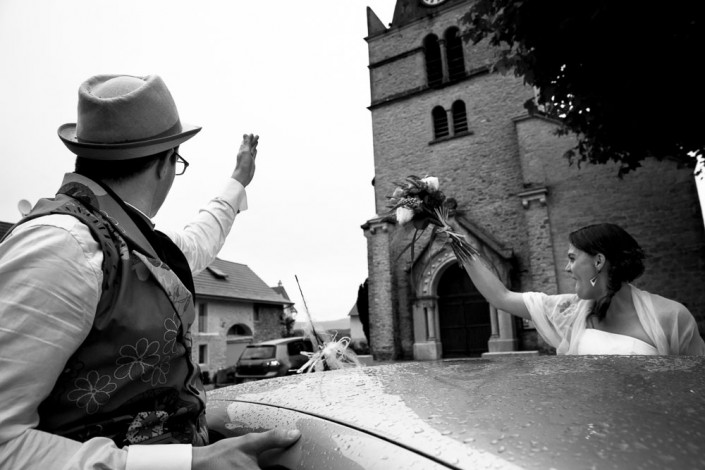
[352,235]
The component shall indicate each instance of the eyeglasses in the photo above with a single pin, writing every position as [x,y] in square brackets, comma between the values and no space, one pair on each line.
[181,164]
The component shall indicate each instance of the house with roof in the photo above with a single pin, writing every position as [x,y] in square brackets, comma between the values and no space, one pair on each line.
[234,307]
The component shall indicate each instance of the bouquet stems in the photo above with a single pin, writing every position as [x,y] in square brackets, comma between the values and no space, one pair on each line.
[463,250]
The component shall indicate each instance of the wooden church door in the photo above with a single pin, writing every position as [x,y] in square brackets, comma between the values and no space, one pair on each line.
[464,315]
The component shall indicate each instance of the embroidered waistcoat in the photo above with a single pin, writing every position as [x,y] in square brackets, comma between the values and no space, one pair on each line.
[132,379]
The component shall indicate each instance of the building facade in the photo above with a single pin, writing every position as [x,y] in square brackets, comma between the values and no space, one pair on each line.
[234,307]
[438,109]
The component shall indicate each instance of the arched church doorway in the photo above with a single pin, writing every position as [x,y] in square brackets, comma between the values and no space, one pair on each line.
[464,315]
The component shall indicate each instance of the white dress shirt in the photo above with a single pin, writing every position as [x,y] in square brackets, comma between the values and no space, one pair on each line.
[50,285]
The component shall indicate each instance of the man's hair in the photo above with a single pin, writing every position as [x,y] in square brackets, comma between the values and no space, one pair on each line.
[115,170]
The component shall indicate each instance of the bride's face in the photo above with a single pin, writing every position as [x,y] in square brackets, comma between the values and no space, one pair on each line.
[581,267]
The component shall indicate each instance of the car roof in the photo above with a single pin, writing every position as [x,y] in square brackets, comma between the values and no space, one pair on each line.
[276,341]
[529,412]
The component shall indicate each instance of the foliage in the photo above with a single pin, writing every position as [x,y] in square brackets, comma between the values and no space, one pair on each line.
[363,308]
[621,75]
[288,320]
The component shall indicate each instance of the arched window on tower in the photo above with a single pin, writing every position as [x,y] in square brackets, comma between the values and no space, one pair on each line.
[460,118]
[440,122]
[454,54]
[434,64]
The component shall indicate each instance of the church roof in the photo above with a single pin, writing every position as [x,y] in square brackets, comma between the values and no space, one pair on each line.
[408,11]
[235,281]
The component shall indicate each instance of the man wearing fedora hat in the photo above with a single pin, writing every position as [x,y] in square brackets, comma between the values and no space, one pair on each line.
[96,305]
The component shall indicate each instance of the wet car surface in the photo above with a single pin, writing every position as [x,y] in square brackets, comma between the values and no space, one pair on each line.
[562,412]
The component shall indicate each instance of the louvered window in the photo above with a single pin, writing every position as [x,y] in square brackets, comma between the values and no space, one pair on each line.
[440,122]
[454,54]
[460,118]
[434,64]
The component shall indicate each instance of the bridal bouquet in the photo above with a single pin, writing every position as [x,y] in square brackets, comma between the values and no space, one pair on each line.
[416,200]
[421,202]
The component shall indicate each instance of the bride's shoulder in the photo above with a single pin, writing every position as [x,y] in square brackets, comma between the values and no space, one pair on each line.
[668,309]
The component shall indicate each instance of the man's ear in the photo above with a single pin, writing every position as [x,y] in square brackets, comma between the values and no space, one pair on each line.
[163,163]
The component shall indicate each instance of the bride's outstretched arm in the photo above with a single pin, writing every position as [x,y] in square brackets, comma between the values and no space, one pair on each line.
[492,288]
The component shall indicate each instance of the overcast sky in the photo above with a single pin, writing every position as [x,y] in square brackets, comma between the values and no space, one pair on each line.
[293,72]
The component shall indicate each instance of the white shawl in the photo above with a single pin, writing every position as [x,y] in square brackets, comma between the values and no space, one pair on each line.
[560,320]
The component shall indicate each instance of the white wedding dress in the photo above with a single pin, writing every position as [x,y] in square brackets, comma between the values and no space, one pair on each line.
[561,322]
[595,341]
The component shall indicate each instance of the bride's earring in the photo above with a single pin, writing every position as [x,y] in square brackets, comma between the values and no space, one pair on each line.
[593,281]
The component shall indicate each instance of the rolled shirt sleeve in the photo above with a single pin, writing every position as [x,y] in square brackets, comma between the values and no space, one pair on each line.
[203,237]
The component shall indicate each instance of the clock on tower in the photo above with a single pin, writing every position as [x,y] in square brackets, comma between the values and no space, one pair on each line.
[432,3]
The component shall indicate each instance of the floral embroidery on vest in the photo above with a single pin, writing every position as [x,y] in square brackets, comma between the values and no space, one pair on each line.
[92,392]
[171,334]
[138,361]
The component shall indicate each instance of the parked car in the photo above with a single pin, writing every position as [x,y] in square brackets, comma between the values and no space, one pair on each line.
[266,360]
[541,412]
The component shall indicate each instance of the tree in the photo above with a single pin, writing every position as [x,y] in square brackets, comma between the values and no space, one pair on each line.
[288,319]
[619,74]
[363,308]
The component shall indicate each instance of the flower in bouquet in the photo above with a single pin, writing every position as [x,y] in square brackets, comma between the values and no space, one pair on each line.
[420,201]
[416,201]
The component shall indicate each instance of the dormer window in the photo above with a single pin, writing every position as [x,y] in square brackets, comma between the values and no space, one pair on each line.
[217,272]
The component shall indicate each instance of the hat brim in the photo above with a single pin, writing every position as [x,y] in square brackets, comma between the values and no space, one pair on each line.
[125,150]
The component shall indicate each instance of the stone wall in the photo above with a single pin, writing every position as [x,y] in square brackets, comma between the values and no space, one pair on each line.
[268,325]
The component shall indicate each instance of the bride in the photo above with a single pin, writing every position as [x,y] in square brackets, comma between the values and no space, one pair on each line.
[607,314]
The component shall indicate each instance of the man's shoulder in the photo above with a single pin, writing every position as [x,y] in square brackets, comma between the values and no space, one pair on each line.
[61,221]
[54,226]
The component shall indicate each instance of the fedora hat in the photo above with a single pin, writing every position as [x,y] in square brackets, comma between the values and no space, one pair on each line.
[121,117]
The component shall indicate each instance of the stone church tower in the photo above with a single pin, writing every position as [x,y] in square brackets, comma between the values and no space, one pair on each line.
[437,109]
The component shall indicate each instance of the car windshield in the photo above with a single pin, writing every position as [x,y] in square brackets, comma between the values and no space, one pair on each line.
[258,352]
